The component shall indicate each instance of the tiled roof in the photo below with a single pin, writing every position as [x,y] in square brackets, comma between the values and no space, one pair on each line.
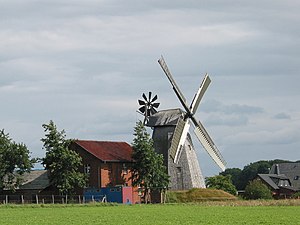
[277,181]
[107,151]
[272,179]
[268,180]
[35,180]
[291,170]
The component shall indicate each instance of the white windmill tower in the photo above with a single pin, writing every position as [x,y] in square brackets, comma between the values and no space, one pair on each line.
[180,135]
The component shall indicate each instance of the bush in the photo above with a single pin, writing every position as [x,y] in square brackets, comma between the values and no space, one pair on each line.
[296,195]
[221,182]
[257,190]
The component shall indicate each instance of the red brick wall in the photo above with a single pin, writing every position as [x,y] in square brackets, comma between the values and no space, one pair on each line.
[113,174]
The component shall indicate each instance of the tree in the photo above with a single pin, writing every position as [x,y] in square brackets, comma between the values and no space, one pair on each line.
[14,162]
[222,183]
[257,190]
[61,162]
[234,175]
[149,171]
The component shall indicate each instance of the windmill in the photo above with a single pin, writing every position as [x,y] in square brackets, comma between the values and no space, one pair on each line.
[183,124]
[148,106]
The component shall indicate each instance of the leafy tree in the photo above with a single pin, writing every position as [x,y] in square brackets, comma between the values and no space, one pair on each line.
[222,183]
[257,190]
[250,172]
[61,162]
[234,173]
[149,171]
[14,162]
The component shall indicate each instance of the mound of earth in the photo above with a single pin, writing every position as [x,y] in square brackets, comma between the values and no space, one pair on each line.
[199,195]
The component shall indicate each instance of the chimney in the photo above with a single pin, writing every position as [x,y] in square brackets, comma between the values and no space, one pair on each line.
[277,169]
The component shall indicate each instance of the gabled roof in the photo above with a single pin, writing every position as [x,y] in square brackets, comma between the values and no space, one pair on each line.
[277,182]
[107,151]
[291,170]
[272,179]
[34,180]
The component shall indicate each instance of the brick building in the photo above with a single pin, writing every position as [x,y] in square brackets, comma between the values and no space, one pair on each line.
[107,164]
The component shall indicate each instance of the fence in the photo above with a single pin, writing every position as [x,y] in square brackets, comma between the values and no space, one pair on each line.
[50,199]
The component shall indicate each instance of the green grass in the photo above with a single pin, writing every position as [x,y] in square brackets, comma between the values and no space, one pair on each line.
[214,213]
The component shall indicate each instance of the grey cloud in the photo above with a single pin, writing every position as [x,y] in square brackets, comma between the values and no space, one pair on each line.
[230,121]
[216,106]
[265,137]
[282,115]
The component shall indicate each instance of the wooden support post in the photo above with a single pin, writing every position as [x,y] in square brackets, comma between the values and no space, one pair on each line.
[53,199]
[37,199]
[6,199]
[22,199]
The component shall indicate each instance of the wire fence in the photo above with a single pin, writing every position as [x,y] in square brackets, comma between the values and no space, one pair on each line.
[50,199]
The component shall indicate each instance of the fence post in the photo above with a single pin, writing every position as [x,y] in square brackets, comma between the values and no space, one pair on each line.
[22,199]
[53,199]
[37,199]
[66,199]
[79,199]
[6,199]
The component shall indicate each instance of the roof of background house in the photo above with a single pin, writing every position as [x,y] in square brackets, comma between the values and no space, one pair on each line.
[107,151]
[291,170]
[35,180]
[272,179]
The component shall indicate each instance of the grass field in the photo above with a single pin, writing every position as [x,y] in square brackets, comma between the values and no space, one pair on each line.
[150,214]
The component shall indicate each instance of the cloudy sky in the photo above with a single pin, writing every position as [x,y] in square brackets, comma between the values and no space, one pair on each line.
[84,64]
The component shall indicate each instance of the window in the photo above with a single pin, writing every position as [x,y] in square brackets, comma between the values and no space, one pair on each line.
[87,169]
[284,183]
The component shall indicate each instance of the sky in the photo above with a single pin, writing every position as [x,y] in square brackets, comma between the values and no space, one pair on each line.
[84,65]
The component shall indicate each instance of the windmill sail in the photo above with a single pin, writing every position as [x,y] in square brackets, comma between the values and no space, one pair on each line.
[182,127]
[209,145]
[178,139]
[165,68]
[198,96]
